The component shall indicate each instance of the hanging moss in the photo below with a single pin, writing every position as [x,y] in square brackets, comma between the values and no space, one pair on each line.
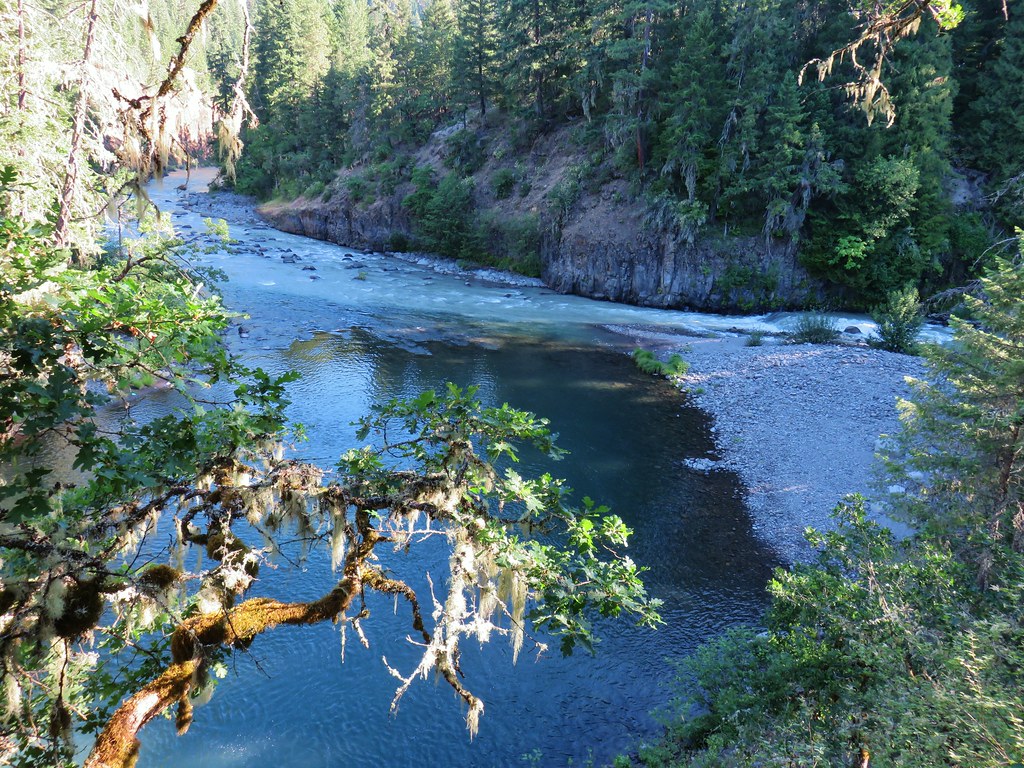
[83,606]
[159,577]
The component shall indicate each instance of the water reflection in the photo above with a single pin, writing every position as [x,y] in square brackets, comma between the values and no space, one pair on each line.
[292,703]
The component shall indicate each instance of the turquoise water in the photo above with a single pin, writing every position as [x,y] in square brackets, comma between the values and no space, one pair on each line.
[291,701]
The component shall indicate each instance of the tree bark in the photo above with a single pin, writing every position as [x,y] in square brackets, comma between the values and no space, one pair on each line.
[70,187]
[118,745]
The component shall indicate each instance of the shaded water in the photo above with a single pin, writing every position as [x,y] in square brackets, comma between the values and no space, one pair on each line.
[291,702]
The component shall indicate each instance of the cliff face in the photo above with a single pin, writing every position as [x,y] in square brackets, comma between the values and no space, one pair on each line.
[339,220]
[602,241]
[610,250]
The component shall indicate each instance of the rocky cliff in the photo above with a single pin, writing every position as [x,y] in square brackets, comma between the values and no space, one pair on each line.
[595,235]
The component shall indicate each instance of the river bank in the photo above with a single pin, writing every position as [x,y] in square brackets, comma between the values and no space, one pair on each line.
[799,423]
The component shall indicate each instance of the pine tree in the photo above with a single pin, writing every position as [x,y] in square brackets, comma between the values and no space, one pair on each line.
[390,44]
[620,70]
[759,54]
[427,91]
[475,68]
[779,169]
[922,91]
[998,111]
[545,44]
[965,430]
[694,108]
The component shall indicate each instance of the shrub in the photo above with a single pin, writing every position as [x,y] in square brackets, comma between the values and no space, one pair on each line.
[899,319]
[399,241]
[755,339]
[314,190]
[815,328]
[673,370]
[503,183]
[358,189]
[443,213]
[465,152]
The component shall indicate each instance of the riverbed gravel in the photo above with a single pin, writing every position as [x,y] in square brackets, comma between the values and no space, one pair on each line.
[799,423]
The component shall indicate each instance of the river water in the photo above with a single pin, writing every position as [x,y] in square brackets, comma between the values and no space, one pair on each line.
[371,328]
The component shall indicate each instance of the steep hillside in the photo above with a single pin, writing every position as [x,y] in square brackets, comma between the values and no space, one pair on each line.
[545,208]
[674,155]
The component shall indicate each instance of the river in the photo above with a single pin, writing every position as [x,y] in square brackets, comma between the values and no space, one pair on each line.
[368,328]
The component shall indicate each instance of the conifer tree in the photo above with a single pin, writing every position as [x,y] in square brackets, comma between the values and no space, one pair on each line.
[694,108]
[292,53]
[965,430]
[621,63]
[779,170]
[347,83]
[545,43]
[759,55]
[390,44]
[428,73]
[475,68]
[998,111]
[922,91]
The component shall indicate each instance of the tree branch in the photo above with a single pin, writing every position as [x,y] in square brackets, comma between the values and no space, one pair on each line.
[118,744]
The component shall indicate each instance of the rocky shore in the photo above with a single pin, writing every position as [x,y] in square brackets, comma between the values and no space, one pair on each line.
[799,423]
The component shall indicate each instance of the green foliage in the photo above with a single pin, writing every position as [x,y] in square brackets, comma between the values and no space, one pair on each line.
[674,369]
[399,241]
[513,243]
[996,112]
[701,106]
[475,68]
[314,190]
[503,182]
[968,425]
[872,247]
[358,189]
[564,194]
[748,288]
[899,319]
[838,673]
[443,213]
[755,339]
[969,239]
[465,152]
[390,174]
[816,327]
[567,583]
[894,651]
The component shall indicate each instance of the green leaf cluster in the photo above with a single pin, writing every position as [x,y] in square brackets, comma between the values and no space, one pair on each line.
[673,369]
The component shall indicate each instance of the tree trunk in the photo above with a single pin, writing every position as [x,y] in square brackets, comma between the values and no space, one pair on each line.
[70,187]
[22,58]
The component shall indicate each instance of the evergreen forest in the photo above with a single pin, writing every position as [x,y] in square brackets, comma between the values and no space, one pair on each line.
[878,146]
[892,164]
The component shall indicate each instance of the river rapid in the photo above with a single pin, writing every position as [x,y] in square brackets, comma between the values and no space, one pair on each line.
[362,328]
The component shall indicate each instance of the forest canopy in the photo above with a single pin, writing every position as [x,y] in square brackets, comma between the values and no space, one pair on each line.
[877,142]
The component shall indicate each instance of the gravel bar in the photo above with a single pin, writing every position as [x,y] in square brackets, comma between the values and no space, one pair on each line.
[799,423]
